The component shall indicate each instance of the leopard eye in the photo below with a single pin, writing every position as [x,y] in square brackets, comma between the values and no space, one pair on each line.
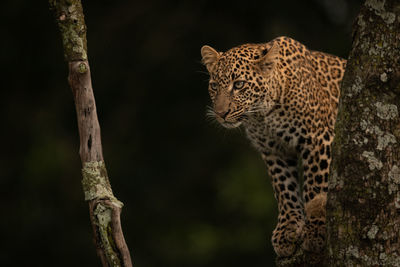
[238,85]
[213,85]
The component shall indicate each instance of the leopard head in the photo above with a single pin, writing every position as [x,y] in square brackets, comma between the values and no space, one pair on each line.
[241,81]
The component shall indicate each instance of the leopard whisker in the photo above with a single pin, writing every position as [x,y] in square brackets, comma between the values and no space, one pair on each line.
[210,113]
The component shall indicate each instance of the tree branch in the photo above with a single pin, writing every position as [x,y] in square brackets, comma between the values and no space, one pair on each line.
[104,207]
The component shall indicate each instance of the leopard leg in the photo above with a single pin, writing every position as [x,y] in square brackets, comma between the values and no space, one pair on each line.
[288,231]
[316,162]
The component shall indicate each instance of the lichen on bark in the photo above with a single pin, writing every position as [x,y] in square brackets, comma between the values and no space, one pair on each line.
[104,218]
[70,20]
[95,182]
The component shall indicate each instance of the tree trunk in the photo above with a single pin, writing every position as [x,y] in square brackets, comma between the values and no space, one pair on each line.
[104,208]
[364,195]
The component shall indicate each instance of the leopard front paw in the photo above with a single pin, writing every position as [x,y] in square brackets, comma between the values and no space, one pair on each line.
[286,237]
[314,235]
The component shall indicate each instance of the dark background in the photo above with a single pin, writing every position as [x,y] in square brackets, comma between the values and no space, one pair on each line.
[195,194]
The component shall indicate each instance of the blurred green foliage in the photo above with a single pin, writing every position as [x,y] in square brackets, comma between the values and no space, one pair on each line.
[195,194]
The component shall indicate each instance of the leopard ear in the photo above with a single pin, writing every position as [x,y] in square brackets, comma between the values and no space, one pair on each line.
[268,57]
[210,57]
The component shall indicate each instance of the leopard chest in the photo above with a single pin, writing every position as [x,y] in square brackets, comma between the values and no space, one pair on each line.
[277,135]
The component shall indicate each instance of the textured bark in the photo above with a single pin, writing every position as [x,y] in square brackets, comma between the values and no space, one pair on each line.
[364,194]
[104,208]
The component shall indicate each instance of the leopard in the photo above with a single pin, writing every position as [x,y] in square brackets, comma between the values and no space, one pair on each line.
[286,97]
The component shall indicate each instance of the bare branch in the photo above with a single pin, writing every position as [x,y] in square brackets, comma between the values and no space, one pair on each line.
[104,207]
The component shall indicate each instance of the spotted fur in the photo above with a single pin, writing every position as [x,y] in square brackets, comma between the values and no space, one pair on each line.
[286,97]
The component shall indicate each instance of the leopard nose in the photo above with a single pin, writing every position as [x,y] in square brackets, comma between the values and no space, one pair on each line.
[222,114]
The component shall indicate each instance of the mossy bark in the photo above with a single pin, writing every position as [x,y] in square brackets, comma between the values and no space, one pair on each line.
[364,195]
[104,208]
[71,22]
